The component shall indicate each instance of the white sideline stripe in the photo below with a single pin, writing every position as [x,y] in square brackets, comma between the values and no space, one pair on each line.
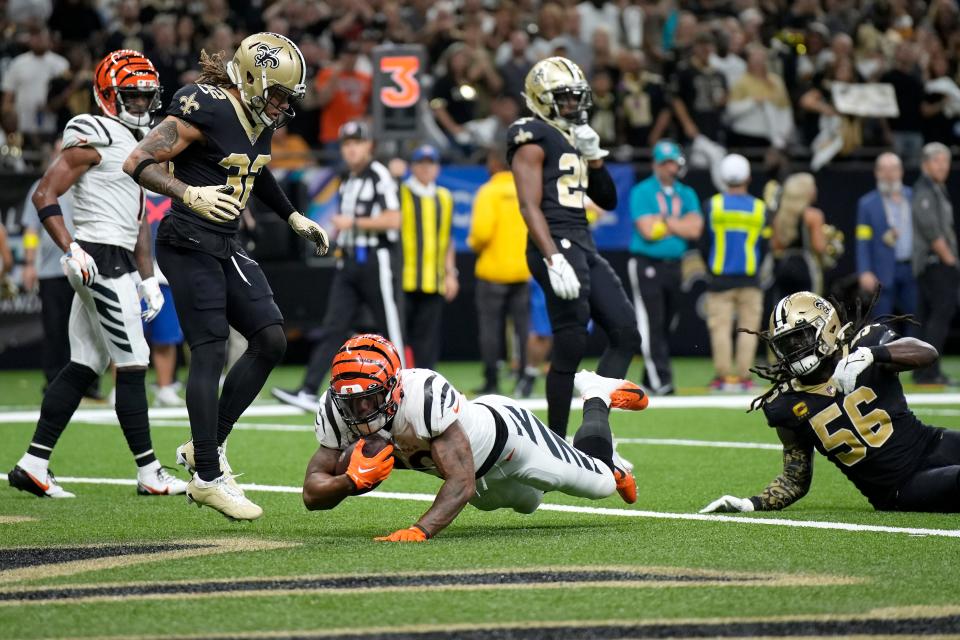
[533,404]
[599,511]
[722,444]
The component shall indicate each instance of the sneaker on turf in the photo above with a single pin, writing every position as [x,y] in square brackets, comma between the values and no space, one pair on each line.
[623,394]
[300,398]
[167,397]
[224,496]
[716,385]
[20,479]
[626,485]
[524,388]
[160,483]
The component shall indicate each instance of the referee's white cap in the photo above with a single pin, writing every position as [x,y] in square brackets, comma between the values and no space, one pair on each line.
[734,169]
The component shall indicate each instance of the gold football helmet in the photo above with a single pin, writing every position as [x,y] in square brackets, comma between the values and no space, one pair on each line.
[265,65]
[557,91]
[804,330]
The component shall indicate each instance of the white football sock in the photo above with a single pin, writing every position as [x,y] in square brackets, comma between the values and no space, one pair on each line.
[37,467]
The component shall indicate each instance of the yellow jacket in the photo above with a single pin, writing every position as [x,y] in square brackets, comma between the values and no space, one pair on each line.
[498,233]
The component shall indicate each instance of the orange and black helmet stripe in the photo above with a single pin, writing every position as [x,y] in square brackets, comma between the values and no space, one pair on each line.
[366,357]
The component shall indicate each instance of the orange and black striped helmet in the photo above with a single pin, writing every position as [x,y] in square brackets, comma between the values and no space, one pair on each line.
[365,382]
[123,79]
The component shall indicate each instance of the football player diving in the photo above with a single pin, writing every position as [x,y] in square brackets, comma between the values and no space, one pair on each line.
[110,245]
[557,163]
[836,389]
[218,131]
[490,452]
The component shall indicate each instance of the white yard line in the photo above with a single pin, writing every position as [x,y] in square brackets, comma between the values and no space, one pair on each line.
[720,444]
[600,511]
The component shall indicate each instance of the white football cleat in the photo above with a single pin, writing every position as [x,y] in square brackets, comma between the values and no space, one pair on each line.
[300,399]
[185,458]
[224,496]
[159,483]
[167,397]
[621,394]
[20,479]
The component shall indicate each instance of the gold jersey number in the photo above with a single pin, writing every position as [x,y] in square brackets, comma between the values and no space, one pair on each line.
[872,428]
[243,173]
[571,186]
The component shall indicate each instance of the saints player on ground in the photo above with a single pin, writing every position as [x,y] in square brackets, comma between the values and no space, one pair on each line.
[219,132]
[111,242]
[557,161]
[843,397]
[490,452]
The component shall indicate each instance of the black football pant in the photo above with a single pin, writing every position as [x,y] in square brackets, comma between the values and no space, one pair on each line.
[656,296]
[495,302]
[938,286]
[936,486]
[374,282]
[424,313]
[603,298]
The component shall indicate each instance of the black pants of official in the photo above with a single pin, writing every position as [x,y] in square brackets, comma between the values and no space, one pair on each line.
[936,306]
[424,314]
[374,282]
[495,303]
[656,296]
[602,298]
[935,486]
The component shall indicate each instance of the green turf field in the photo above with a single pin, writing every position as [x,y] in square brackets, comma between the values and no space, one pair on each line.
[110,563]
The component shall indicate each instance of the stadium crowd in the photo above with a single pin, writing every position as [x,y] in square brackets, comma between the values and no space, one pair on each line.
[759,75]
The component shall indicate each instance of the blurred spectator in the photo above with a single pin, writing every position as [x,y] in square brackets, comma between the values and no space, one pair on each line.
[816,55]
[798,238]
[77,21]
[343,94]
[8,287]
[734,222]
[25,85]
[430,275]
[822,119]
[170,62]
[728,57]
[885,240]
[441,31]
[548,29]
[906,128]
[221,39]
[70,94]
[128,32]
[603,56]
[514,63]
[492,130]
[498,235]
[289,151]
[934,255]
[186,38]
[455,93]
[759,108]
[645,114]
[940,106]
[666,216]
[603,116]
[699,93]
[599,14]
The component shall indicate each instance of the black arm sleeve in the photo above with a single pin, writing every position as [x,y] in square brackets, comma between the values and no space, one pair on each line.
[600,188]
[267,191]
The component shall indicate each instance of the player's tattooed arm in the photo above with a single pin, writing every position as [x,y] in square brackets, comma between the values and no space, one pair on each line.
[527,167]
[147,162]
[453,456]
[794,482]
[322,489]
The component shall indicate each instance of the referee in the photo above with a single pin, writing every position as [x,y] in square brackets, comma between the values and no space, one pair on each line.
[368,263]
[429,258]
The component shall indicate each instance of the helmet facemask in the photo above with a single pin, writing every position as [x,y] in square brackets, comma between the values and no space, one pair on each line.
[798,349]
[125,95]
[366,411]
[580,95]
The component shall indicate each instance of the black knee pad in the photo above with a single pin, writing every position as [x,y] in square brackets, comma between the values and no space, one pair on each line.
[569,346]
[626,338]
[270,343]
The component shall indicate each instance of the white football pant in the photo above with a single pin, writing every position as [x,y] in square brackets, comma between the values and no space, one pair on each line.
[105,324]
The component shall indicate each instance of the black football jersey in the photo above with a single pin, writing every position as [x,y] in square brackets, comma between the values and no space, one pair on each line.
[564,173]
[870,434]
[236,148]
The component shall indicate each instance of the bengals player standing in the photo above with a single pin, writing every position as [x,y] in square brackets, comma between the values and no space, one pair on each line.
[219,131]
[837,390]
[557,162]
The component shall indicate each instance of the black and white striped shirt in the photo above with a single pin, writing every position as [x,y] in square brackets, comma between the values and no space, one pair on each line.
[367,195]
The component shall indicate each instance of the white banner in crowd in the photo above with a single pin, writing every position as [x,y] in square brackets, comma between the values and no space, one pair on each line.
[867,100]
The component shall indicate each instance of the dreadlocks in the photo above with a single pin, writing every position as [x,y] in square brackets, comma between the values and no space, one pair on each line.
[779,372]
[213,70]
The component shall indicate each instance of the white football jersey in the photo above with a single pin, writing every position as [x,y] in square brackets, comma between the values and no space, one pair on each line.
[429,406]
[107,202]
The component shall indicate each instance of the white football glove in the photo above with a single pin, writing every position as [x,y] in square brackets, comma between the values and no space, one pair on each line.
[728,504]
[79,265]
[845,375]
[310,230]
[587,142]
[215,203]
[149,291]
[563,279]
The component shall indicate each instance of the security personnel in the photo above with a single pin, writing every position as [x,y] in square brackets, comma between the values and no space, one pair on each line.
[429,257]
[368,266]
[735,222]
[666,216]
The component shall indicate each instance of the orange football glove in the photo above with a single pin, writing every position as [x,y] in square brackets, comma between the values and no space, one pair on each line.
[413,534]
[366,472]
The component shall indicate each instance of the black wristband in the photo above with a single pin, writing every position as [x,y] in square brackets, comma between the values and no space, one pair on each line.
[425,532]
[881,354]
[140,167]
[49,211]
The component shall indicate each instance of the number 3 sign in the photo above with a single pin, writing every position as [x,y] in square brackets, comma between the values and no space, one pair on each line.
[397,91]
